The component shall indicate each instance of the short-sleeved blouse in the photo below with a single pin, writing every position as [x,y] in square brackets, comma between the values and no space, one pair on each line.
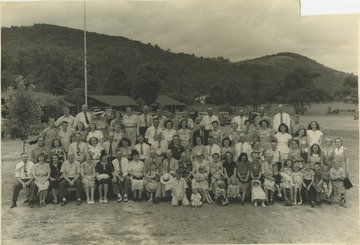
[217,136]
[55,170]
[313,136]
[184,134]
[242,169]
[230,167]
[283,140]
[136,166]
[97,134]
[41,171]
[265,137]
[87,168]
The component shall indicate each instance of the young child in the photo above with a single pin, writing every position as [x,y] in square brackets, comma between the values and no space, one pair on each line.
[297,179]
[304,150]
[196,199]
[200,181]
[318,182]
[325,175]
[308,190]
[337,175]
[233,190]
[152,177]
[257,194]
[287,183]
[216,170]
[220,194]
[277,177]
[269,180]
[178,190]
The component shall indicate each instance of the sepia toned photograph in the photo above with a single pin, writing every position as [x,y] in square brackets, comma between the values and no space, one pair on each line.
[178,122]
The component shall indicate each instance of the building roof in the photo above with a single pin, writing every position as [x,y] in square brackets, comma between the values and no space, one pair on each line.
[165,100]
[114,100]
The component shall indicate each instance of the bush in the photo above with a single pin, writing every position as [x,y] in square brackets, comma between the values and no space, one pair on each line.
[226,107]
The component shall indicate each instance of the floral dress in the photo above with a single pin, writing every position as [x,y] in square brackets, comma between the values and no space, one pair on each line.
[265,138]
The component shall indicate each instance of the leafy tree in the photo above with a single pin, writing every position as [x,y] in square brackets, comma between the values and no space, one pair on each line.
[23,112]
[118,82]
[255,86]
[148,82]
[217,94]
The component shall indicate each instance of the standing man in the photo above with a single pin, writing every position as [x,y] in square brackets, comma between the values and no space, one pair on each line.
[152,131]
[207,121]
[144,121]
[261,117]
[131,125]
[84,116]
[240,120]
[281,117]
[65,136]
[142,148]
[67,118]
[38,150]
[78,148]
[24,180]
[50,133]
[121,181]
[190,122]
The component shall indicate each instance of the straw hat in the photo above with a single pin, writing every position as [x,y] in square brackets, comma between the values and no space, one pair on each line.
[165,178]
[151,186]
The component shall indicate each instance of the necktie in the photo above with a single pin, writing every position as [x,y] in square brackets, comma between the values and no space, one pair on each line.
[25,170]
[145,120]
[281,118]
[159,146]
[141,149]
[210,153]
[241,124]
[241,147]
[110,149]
[86,118]
[120,168]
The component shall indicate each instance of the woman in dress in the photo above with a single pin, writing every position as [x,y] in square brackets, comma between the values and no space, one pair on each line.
[118,134]
[294,153]
[199,147]
[340,155]
[226,147]
[55,177]
[229,166]
[243,174]
[136,172]
[94,149]
[266,134]
[41,174]
[314,135]
[95,133]
[301,135]
[103,173]
[283,139]
[58,150]
[217,133]
[87,172]
[80,128]
[315,155]
[185,134]
[125,148]
[185,168]
[117,120]
[168,132]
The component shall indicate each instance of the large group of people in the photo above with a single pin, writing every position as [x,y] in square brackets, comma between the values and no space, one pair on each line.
[258,160]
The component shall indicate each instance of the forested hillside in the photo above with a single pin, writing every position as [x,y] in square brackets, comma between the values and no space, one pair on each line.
[51,58]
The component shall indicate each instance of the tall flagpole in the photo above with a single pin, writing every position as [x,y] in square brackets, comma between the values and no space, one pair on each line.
[85,61]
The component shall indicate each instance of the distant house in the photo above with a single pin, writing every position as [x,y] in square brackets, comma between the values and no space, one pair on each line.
[167,103]
[115,102]
[203,99]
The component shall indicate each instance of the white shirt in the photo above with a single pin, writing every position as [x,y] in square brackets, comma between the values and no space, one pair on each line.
[80,117]
[313,137]
[70,119]
[277,120]
[163,147]
[207,121]
[214,149]
[242,147]
[141,119]
[19,170]
[146,149]
[130,121]
[240,122]
[124,166]
[150,133]
[168,134]
[97,134]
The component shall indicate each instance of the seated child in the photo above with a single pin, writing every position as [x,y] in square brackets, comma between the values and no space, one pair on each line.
[217,171]
[178,190]
[308,191]
[200,182]
[220,194]
[269,181]
[152,177]
[325,175]
[196,199]
[337,175]
[304,150]
[257,194]
[233,192]
[297,179]
[287,183]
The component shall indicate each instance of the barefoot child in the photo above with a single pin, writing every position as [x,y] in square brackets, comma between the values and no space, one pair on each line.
[196,199]
[200,181]
[257,194]
[234,190]
[178,190]
[297,179]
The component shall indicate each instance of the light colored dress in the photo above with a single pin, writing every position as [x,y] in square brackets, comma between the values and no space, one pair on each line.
[168,134]
[185,137]
[196,200]
[283,140]
[41,171]
[217,136]
[136,167]
[95,152]
[88,172]
[202,183]
[313,136]
[339,155]
[257,193]
[265,138]
[297,179]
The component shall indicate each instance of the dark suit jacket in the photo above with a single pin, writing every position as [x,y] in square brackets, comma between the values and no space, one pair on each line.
[196,133]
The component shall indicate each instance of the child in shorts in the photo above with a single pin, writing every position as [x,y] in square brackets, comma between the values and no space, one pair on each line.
[308,191]
[297,179]
[337,175]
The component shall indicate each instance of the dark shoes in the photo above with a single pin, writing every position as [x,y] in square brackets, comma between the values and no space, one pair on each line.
[135,199]
[63,203]
[31,204]
[78,202]
[157,200]
[26,201]
[13,205]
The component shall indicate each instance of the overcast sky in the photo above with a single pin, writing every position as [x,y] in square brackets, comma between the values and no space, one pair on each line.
[233,29]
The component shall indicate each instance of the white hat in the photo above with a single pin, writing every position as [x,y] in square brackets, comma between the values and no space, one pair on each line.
[151,186]
[165,178]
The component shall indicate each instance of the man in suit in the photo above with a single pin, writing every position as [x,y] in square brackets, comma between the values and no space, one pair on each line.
[199,132]
[110,147]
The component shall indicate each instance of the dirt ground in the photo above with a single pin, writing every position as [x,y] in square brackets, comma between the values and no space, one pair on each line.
[145,223]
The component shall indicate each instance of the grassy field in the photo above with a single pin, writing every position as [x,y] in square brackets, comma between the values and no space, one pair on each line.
[146,223]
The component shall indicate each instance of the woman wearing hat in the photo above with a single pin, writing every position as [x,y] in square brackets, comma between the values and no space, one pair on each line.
[266,134]
[136,172]
[103,173]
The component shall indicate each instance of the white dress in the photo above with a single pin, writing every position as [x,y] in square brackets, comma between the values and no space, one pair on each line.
[137,167]
[313,136]
[283,147]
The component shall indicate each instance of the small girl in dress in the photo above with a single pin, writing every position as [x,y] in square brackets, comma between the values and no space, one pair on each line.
[297,179]
[234,190]
[152,177]
[287,183]
[257,194]
[220,193]
[200,181]
[196,199]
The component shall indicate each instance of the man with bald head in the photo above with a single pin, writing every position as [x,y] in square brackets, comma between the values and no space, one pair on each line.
[281,117]
[207,121]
